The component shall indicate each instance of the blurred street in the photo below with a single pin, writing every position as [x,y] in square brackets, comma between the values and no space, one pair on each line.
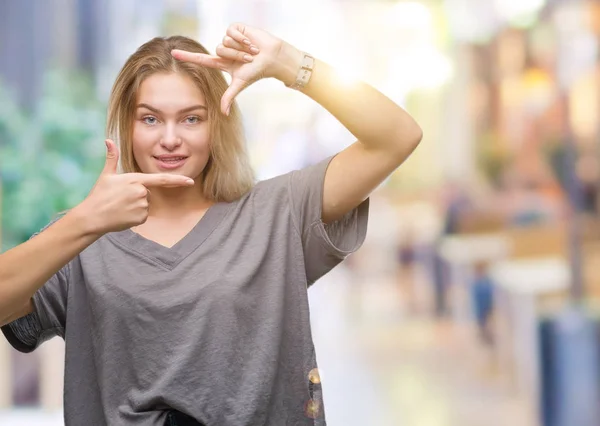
[384,366]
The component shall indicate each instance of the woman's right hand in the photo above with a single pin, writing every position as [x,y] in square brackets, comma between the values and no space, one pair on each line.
[120,201]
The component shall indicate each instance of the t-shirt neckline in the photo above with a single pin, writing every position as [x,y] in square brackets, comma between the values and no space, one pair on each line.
[170,257]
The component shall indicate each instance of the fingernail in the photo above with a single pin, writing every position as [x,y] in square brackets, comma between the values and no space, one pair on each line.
[248,42]
[248,58]
[254,49]
[190,181]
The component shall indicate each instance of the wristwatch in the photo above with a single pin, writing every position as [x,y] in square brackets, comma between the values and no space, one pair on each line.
[304,73]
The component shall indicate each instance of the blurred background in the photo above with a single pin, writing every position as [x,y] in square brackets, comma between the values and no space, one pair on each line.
[473,300]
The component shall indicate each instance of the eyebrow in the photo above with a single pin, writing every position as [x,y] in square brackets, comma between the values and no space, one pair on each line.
[184,110]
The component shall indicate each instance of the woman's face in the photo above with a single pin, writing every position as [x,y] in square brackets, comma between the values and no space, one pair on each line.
[171,129]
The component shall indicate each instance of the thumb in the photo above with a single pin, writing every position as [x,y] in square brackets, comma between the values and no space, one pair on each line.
[112,158]
[236,86]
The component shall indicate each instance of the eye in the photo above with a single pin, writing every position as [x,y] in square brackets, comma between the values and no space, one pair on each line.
[150,120]
[192,119]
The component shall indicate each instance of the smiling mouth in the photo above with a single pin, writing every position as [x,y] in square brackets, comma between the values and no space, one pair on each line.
[170,159]
[169,163]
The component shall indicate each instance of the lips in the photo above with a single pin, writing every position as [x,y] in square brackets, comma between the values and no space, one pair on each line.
[170,158]
[169,161]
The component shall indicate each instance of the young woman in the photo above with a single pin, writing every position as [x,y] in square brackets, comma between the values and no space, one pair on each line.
[179,285]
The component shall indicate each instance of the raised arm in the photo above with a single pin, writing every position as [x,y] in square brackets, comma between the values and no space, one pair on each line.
[386,133]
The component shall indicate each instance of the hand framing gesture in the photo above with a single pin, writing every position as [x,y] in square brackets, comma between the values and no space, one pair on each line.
[247,54]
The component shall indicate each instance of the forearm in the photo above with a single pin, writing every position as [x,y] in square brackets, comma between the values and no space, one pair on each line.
[27,267]
[370,116]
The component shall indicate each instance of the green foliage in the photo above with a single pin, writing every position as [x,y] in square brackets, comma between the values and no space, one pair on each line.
[49,159]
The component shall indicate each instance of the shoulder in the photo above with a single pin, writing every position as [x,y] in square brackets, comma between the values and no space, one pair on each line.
[274,187]
[288,186]
[287,181]
[267,197]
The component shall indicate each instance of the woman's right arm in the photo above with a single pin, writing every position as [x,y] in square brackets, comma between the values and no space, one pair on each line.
[117,202]
[28,266]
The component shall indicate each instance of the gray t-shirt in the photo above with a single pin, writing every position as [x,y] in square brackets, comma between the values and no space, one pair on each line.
[216,327]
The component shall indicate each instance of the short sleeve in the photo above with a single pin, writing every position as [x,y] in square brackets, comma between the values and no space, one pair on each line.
[324,245]
[48,317]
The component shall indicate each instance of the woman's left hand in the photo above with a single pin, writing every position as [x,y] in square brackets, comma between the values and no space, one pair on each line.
[247,54]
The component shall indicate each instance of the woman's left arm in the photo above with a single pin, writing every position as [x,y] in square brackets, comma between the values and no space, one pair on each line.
[386,133]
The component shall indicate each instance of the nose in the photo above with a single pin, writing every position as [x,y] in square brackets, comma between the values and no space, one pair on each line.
[170,140]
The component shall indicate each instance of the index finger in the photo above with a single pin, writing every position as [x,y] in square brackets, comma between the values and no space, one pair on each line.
[161,179]
[203,59]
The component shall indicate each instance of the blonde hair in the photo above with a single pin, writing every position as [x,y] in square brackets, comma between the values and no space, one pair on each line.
[228,174]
